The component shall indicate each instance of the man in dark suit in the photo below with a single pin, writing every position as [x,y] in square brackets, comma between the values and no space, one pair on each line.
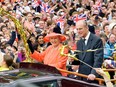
[88,41]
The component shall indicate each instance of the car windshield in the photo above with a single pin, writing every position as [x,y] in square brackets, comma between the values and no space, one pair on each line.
[27,70]
[9,76]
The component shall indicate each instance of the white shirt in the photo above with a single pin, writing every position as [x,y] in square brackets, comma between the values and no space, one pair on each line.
[86,38]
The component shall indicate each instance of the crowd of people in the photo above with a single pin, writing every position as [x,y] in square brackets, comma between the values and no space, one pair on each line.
[49,24]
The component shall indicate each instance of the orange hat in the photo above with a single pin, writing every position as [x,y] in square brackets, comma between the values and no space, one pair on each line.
[47,38]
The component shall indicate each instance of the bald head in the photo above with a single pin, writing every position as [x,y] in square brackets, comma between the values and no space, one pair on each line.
[82,22]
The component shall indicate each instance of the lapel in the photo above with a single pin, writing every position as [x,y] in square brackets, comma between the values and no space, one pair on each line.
[88,46]
[80,46]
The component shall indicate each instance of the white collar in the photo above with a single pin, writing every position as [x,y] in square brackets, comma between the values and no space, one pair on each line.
[87,37]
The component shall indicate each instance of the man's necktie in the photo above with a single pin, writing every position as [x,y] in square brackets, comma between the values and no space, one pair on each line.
[84,44]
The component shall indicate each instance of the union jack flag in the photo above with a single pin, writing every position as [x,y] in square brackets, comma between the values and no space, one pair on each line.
[97,5]
[35,4]
[60,21]
[45,7]
[79,17]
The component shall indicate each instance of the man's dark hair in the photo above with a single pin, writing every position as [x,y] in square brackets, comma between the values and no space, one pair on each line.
[3,26]
[1,20]
[105,25]
[104,6]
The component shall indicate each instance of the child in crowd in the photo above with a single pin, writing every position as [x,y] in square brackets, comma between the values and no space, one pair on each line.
[7,63]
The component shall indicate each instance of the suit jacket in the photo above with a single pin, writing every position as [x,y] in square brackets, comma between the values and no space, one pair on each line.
[94,59]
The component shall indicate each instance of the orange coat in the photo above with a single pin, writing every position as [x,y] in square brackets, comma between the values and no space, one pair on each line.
[51,56]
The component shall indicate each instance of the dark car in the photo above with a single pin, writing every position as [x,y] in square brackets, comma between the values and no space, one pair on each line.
[46,77]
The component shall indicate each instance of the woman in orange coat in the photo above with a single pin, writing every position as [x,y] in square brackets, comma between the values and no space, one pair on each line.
[51,56]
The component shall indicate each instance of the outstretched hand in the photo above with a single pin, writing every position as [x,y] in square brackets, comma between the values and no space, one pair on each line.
[100,71]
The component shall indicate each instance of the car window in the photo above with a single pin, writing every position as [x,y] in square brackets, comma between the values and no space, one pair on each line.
[46,84]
